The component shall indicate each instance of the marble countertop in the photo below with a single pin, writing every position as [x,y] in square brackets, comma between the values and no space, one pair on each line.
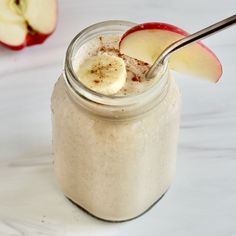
[202,200]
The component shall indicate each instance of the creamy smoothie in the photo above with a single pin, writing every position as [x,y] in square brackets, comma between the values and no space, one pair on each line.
[115,161]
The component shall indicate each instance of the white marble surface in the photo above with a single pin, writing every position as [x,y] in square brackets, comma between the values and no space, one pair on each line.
[202,200]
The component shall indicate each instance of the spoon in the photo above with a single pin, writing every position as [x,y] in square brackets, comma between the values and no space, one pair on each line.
[160,62]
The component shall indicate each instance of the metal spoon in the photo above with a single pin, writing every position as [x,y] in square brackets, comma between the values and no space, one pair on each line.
[160,62]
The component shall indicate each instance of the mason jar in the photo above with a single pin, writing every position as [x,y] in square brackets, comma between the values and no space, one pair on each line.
[114,156]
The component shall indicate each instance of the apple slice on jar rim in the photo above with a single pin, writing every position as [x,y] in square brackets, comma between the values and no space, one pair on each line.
[147,41]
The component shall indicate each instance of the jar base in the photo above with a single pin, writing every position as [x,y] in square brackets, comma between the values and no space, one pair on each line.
[117,221]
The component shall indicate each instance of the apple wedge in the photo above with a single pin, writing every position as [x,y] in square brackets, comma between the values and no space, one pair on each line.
[26,22]
[147,41]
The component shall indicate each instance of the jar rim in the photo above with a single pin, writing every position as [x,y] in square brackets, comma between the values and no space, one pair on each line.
[79,89]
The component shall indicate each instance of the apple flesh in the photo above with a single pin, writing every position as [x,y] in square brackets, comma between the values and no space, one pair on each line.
[147,41]
[26,22]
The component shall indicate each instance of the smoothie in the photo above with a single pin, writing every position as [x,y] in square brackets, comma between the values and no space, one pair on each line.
[115,132]
[115,161]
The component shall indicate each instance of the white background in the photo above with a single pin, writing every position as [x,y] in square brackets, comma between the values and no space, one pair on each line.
[202,200]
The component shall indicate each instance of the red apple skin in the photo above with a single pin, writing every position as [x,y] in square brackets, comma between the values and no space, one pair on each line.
[29,41]
[15,48]
[36,38]
[32,39]
[171,28]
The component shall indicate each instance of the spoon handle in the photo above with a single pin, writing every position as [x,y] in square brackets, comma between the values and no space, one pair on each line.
[188,40]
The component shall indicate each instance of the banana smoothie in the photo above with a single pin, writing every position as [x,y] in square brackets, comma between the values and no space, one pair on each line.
[114,132]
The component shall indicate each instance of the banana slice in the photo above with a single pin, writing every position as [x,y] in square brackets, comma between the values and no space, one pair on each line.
[105,74]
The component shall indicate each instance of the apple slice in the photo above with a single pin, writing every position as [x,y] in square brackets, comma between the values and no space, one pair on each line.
[147,41]
[26,22]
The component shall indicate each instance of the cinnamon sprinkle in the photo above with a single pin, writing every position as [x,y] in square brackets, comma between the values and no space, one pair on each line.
[136,78]
[120,54]
[115,50]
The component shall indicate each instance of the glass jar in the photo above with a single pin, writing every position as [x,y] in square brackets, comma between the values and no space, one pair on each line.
[114,156]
